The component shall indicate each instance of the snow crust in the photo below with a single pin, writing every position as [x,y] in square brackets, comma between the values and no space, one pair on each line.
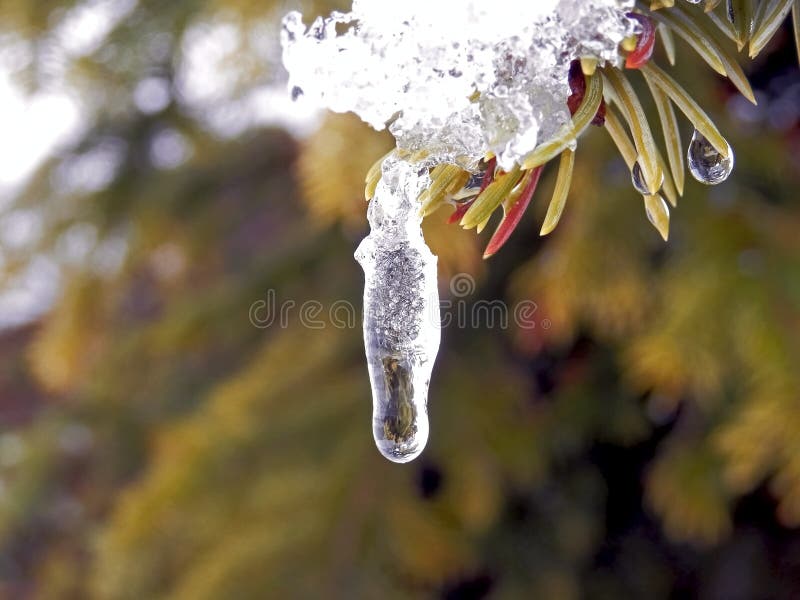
[453,79]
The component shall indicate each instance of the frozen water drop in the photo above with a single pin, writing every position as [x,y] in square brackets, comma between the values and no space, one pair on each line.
[706,164]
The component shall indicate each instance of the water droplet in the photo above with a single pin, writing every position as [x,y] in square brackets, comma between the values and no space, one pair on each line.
[638,180]
[706,164]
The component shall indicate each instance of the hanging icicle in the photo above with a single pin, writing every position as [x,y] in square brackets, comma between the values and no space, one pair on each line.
[401,312]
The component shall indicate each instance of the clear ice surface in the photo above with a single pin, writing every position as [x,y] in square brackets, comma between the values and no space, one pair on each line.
[401,312]
[453,78]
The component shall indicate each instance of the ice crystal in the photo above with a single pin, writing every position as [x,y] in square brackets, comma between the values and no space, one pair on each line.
[453,79]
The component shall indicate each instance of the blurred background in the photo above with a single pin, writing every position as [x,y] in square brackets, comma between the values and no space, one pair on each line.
[157,184]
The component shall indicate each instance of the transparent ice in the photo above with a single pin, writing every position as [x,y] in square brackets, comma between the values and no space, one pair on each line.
[452,80]
[401,312]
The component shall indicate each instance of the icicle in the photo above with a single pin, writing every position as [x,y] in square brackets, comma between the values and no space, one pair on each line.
[401,312]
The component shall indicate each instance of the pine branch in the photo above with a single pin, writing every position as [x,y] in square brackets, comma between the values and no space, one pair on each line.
[747,22]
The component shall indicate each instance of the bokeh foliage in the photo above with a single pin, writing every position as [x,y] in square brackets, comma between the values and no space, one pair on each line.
[642,439]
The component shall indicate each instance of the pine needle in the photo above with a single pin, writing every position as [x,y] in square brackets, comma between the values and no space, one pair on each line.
[770,18]
[627,150]
[687,105]
[668,185]
[723,25]
[446,180]
[796,24]
[672,135]
[668,41]
[616,130]
[658,214]
[374,176]
[740,13]
[588,66]
[560,193]
[567,135]
[730,66]
[642,136]
[687,28]
[491,198]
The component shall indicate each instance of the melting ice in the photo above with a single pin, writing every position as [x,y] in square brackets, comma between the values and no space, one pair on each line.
[452,80]
[401,312]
